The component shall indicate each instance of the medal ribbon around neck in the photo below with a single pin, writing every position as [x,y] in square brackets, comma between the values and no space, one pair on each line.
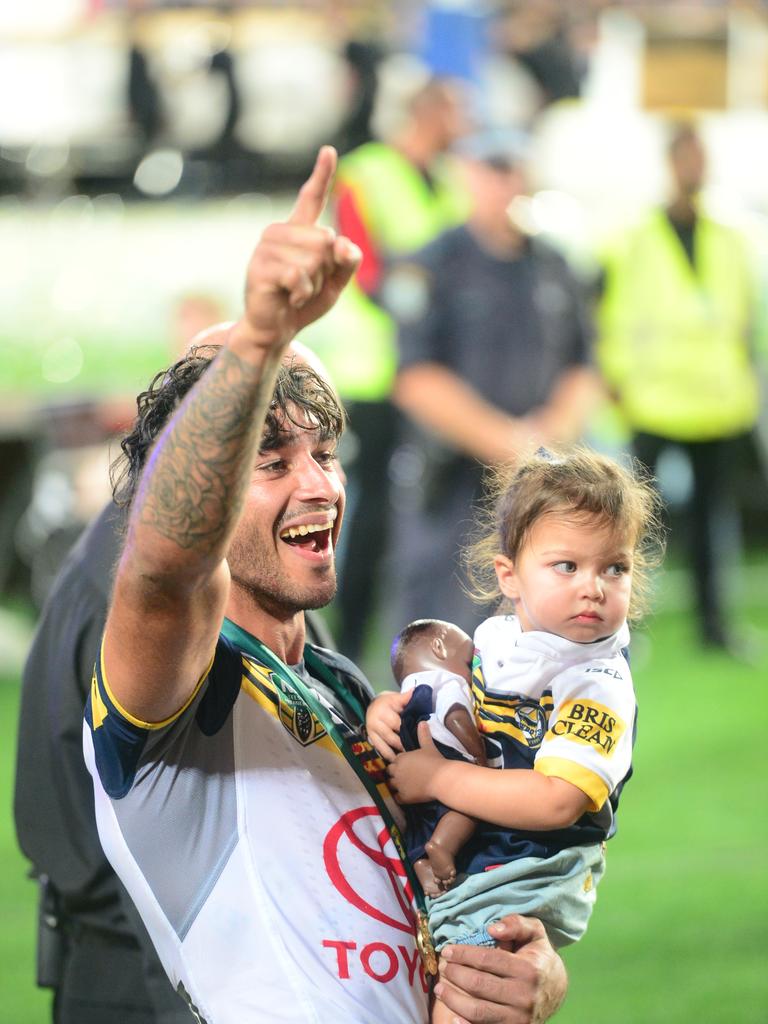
[288,682]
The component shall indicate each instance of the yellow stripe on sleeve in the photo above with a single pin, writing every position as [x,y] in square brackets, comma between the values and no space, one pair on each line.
[99,709]
[151,725]
[589,783]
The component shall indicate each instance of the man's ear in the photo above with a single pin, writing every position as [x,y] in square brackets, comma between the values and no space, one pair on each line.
[507,577]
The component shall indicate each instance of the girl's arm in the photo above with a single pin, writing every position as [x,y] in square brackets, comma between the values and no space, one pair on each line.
[511,798]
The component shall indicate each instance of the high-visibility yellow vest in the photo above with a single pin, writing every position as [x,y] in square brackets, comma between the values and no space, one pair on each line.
[674,341]
[357,340]
[399,208]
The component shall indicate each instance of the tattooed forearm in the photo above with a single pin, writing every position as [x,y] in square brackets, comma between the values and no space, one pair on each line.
[198,473]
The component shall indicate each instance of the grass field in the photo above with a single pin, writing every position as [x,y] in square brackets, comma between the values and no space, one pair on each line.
[21,1001]
[681,928]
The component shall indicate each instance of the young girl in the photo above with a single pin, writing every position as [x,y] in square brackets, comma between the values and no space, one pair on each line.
[568,550]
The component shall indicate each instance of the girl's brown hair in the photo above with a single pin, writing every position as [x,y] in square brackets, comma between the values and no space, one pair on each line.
[578,484]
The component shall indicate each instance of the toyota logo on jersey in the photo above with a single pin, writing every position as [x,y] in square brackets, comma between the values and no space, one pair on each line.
[347,852]
[343,845]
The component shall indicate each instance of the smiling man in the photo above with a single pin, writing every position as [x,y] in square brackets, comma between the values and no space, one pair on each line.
[235,792]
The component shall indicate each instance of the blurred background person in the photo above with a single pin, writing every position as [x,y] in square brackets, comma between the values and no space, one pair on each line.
[143,97]
[68,477]
[192,313]
[92,948]
[362,58]
[551,41]
[494,339]
[20,447]
[676,317]
[392,196]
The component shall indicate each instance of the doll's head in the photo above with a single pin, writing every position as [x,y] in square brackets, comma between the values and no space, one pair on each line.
[569,544]
[431,644]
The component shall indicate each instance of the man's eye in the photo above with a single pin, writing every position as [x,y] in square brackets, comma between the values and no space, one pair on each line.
[566,567]
[326,458]
[277,466]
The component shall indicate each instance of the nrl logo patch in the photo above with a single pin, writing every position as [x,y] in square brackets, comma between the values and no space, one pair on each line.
[298,719]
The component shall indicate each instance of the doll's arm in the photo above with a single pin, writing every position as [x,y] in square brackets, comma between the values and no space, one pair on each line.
[460,723]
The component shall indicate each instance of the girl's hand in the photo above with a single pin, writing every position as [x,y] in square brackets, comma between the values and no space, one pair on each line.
[413,775]
[382,722]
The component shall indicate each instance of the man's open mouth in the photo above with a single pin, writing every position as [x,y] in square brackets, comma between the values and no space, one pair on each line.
[314,537]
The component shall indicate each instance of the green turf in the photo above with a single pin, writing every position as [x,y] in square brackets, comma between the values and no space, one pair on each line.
[20,1001]
[680,931]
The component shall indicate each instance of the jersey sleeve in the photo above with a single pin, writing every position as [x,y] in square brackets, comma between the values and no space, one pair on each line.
[122,742]
[590,731]
[452,690]
[440,681]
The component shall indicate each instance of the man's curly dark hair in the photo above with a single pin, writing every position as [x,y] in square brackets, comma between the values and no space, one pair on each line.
[298,386]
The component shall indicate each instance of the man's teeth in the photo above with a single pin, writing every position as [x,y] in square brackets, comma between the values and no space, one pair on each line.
[303,530]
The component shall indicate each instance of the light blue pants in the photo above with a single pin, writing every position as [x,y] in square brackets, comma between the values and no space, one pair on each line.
[559,891]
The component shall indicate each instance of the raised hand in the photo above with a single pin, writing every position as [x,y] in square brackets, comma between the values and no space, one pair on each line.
[299,267]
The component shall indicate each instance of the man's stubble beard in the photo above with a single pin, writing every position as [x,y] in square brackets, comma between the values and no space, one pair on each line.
[269,588]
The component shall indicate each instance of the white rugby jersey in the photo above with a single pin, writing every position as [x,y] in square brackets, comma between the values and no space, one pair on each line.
[259,863]
[568,706]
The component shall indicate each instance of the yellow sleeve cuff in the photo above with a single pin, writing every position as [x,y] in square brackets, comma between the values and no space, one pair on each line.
[585,780]
[137,721]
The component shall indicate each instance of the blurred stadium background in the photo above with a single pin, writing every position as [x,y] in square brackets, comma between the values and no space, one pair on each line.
[142,148]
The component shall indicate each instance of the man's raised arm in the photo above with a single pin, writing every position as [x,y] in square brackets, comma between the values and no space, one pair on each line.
[172,582]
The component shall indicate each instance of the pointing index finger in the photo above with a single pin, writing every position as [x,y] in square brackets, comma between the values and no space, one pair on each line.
[314,193]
